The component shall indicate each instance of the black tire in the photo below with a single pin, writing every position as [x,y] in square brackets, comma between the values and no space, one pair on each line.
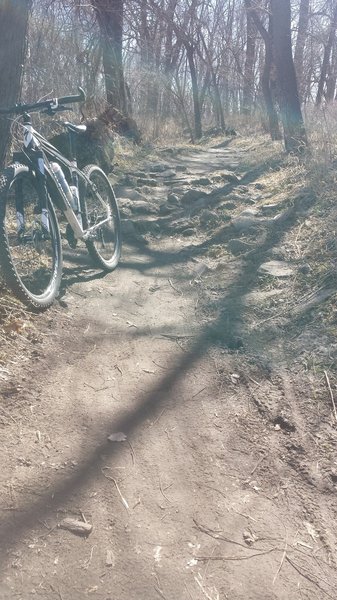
[98,202]
[31,263]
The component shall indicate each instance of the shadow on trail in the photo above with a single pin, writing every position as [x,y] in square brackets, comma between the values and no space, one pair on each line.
[158,258]
[224,329]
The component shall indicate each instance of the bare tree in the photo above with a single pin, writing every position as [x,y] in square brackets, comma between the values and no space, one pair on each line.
[293,127]
[13,29]
[326,57]
[110,19]
[303,22]
[268,72]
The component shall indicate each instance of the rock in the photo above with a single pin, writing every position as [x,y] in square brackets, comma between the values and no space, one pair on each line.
[168,173]
[138,174]
[268,209]
[144,208]
[129,181]
[230,177]
[249,200]
[199,205]
[276,268]
[166,209]
[236,246]
[242,223]
[147,181]
[202,181]
[249,212]
[228,205]
[125,212]
[191,196]
[242,189]
[158,167]
[172,199]
[207,216]
[260,186]
[131,194]
[128,227]
[305,269]
[189,231]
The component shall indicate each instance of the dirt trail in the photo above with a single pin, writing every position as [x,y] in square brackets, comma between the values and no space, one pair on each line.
[224,486]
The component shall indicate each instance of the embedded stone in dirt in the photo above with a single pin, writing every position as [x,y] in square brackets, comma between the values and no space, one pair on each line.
[189,231]
[236,246]
[276,268]
[144,208]
[159,167]
[207,216]
[192,195]
[244,223]
[230,177]
[147,181]
[130,194]
[284,423]
[172,199]
[203,181]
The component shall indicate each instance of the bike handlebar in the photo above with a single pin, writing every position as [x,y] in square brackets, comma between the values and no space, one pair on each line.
[51,104]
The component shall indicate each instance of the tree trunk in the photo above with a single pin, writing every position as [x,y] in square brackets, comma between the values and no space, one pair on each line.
[248,87]
[195,91]
[266,77]
[332,76]
[303,22]
[13,30]
[110,20]
[326,58]
[292,121]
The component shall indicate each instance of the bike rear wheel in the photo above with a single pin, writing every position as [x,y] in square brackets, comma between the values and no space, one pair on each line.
[99,205]
[31,256]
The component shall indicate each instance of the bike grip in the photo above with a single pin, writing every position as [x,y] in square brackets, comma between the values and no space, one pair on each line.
[70,99]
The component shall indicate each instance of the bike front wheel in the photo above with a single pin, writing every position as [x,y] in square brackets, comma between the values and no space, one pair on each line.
[99,205]
[30,245]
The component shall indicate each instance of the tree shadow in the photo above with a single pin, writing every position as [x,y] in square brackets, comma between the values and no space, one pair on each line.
[225,329]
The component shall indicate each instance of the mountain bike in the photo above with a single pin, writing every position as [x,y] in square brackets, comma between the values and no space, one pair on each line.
[38,185]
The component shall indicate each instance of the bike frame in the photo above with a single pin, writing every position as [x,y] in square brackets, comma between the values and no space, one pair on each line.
[36,155]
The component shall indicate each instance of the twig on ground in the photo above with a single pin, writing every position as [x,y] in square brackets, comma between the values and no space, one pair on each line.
[86,564]
[257,464]
[253,380]
[331,395]
[282,561]
[161,489]
[199,392]
[158,590]
[309,578]
[132,452]
[217,536]
[56,591]
[157,419]
[158,365]
[174,288]
[125,504]
[204,558]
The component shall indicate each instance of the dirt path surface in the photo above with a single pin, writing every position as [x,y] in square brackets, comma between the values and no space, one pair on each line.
[221,480]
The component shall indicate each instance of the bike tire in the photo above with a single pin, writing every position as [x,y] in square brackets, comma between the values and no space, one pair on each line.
[105,247]
[31,265]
